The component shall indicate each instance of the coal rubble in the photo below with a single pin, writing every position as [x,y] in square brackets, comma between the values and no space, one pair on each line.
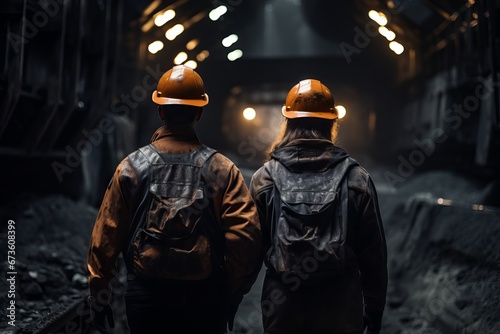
[52,235]
[442,232]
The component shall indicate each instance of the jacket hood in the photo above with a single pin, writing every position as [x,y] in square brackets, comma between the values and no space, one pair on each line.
[309,155]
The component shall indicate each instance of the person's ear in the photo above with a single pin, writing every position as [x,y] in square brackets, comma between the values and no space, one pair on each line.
[160,113]
[198,114]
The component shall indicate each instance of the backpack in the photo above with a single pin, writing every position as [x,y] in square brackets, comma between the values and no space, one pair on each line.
[309,225]
[176,235]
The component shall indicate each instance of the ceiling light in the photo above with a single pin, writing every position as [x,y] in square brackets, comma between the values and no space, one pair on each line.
[230,40]
[233,55]
[389,34]
[378,17]
[163,18]
[216,13]
[155,47]
[396,47]
[249,113]
[192,44]
[202,55]
[341,111]
[192,64]
[180,58]
[173,32]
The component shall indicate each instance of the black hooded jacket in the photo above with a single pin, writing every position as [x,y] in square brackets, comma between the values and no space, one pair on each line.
[335,306]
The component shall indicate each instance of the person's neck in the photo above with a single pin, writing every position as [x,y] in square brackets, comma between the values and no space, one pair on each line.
[178,127]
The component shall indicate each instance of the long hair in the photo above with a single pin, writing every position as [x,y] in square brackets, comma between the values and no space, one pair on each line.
[305,128]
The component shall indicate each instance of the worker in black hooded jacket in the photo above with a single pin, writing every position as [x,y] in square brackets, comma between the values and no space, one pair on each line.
[348,302]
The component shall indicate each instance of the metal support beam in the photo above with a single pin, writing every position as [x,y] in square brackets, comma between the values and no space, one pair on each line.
[14,71]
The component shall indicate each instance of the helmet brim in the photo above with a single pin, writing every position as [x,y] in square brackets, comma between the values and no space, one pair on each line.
[316,114]
[189,102]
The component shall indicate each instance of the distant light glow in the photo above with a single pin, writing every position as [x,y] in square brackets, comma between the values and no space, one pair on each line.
[233,55]
[230,40]
[396,47]
[341,111]
[163,18]
[173,32]
[478,207]
[216,13]
[192,44]
[442,201]
[202,55]
[180,58]
[249,113]
[389,34]
[155,47]
[192,64]
[378,17]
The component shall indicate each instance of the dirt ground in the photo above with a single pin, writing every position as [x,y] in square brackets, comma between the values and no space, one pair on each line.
[443,258]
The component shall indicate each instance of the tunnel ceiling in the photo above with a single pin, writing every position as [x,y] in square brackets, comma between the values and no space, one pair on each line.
[101,52]
[275,29]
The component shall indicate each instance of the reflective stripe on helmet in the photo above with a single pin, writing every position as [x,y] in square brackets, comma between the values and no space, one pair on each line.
[298,114]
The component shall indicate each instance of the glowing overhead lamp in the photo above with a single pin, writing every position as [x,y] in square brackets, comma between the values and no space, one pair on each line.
[216,13]
[249,113]
[173,32]
[233,55]
[396,47]
[163,18]
[155,46]
[341,111]
[180,58]
[202,55]
[230,40]
[389,34]
[378,17]
[192,64]
[192,44]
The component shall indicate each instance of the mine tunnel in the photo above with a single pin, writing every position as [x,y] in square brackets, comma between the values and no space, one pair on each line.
[418,81]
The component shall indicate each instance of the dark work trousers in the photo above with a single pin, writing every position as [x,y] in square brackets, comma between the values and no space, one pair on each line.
[172,307]
[291,306]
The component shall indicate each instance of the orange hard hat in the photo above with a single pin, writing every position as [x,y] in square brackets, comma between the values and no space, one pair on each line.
[309,98]
[181,85]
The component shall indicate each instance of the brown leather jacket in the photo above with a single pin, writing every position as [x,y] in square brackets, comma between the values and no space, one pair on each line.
[234,208]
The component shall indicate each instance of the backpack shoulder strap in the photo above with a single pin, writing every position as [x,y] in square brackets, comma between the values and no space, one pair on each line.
[196,158]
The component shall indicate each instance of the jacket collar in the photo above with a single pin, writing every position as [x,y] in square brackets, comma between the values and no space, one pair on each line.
[184,131]
[309,155]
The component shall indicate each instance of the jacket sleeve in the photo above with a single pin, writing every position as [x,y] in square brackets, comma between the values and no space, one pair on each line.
[241,228]
[371,249]
[110,230]
[261,191]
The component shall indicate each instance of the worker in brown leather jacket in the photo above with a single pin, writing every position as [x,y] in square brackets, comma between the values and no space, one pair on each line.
[347,295]
[199,304]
